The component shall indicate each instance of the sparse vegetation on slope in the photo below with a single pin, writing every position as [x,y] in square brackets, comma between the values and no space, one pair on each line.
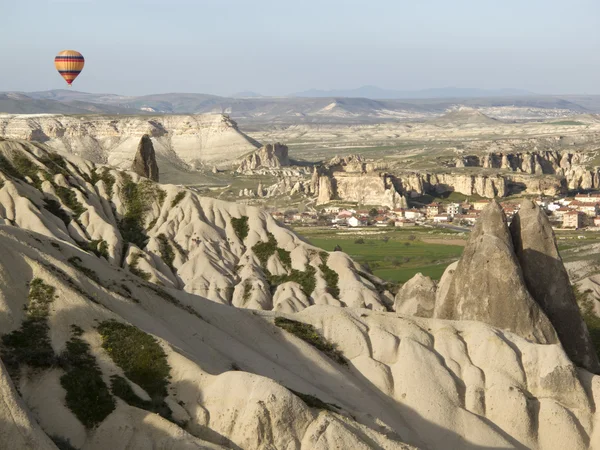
[109,181]
[98,247]
[133,268]
[309,334]
[30,344]
[10,170]
[180,196]
[240,226]
[87,396]
[54,207]
[139,355]
[55,163]
[285,258]
[122,389]
[247,290]
[137,199]
[305,279]
[69,198]
[315,402]
[26,168]
[76,262]
[166,251]
[264,250]
[331,277]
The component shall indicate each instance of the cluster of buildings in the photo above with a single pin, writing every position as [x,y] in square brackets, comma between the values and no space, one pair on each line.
[338,216]
[580,211]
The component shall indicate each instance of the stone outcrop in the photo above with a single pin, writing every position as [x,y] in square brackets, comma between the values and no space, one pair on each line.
[271,156]
[326,191]
[144,163]
[419,183]
[188,140]
[548,282]
[569,166]
[416,297]
[488,284]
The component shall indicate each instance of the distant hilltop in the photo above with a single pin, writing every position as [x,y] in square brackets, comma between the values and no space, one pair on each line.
[375,92]
[363,105]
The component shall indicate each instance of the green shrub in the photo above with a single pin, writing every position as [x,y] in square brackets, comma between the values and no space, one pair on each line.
[166,251]
[69,198]
[99,247]
[331,277]
[26,168]
[180,196]
[285,258]
[264,250]
[55,163]
[122,389]
[54,207]
[87,396]
[309,334]
[247,290]
[306,279]
[241,227]
[7,167]
[314,402]
[139,355]
[78,264]
[137,199]
[133,268]
[30,344]
[109,181]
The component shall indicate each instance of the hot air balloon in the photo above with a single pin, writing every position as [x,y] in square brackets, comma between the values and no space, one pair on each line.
[69,64]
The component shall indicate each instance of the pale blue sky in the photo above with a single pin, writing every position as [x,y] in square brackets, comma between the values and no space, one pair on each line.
[278,47]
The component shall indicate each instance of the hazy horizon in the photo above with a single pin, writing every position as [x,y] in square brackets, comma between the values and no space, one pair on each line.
[222,48]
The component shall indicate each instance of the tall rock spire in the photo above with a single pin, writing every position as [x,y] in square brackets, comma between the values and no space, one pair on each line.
[144,163]
[548,282]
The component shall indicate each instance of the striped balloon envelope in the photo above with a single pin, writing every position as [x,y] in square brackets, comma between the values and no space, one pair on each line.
[69,64]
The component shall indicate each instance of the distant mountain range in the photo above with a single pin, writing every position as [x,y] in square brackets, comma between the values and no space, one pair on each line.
[356,106]
[375,92]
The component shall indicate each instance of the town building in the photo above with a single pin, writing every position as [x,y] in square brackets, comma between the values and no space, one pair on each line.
[592,197]
[433,209]
[573,219]
[357,222]
[413,214]
[454,209]
[589,209]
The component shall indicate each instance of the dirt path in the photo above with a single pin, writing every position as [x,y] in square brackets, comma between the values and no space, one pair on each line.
[460,242]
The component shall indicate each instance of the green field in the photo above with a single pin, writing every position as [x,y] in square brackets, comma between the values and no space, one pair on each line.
[392,254]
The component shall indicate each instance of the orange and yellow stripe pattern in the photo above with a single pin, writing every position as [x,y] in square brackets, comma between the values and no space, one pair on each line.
[69,64]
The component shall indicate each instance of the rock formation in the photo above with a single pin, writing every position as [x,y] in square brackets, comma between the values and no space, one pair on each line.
[226,377]
[189,140]
[196,233]
[271,156]
[488,284]
[144,163]
[548,282]
[416,297]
